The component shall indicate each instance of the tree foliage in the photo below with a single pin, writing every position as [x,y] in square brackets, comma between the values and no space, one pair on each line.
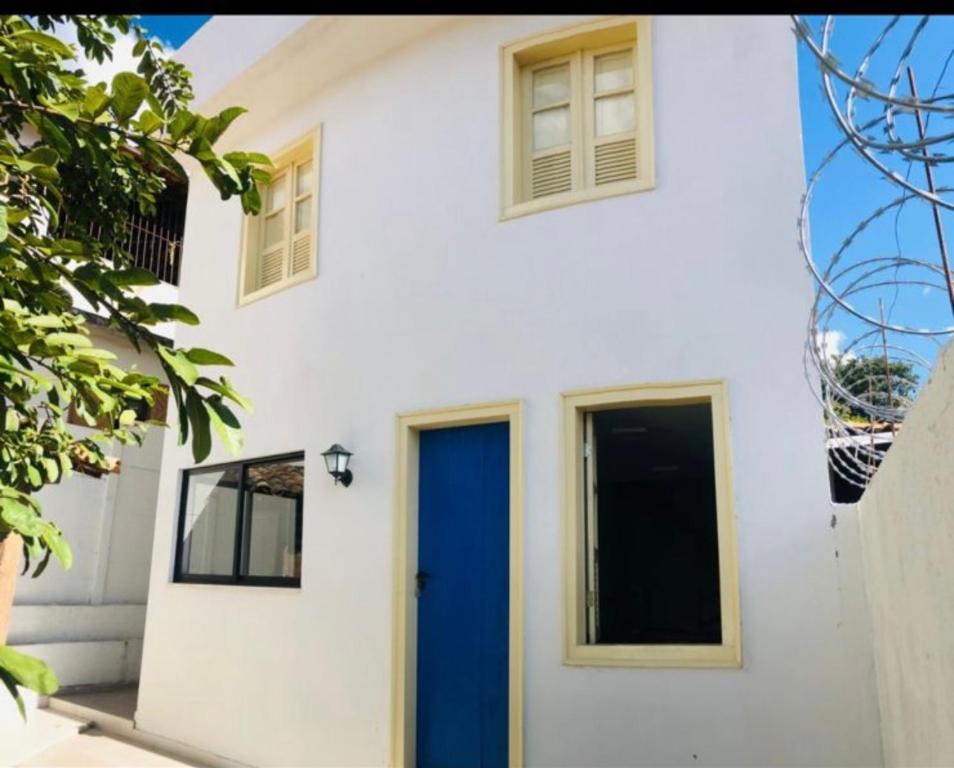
[867,379]
[76,157]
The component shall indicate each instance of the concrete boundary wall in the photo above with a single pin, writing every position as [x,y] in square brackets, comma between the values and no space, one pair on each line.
[70,623]
[907,526]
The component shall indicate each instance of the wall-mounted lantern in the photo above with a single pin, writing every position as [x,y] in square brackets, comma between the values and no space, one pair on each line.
[336,459]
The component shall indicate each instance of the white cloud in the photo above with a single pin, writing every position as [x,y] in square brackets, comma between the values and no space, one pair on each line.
[122,61]
[829,344]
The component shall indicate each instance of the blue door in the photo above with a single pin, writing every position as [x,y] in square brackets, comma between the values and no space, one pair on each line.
[463,597]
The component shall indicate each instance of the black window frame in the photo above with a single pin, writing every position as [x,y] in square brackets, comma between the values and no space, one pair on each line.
[242,526]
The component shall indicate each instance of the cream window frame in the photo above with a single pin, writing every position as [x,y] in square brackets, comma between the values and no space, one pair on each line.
[576,652]
[577,43]
[284,164]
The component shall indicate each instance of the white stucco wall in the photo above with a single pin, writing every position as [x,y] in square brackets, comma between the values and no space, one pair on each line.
[88,622]
[108,521]
[424,299]
[907,524]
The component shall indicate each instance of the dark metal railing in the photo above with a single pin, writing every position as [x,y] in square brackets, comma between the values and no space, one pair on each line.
[155,242]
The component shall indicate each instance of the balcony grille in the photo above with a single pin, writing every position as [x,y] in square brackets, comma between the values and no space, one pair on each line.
[155,242]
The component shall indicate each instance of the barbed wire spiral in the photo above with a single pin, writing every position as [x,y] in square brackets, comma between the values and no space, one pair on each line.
[865,356]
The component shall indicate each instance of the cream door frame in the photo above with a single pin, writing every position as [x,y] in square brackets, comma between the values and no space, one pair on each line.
[404,675]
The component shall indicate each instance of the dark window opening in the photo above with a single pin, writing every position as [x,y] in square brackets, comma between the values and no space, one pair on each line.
[843,468]
[241,523]
[651,532]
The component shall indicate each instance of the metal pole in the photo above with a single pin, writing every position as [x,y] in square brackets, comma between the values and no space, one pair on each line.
[887,365]
[934,206]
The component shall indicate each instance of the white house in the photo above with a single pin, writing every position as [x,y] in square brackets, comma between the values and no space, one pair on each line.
[539,275]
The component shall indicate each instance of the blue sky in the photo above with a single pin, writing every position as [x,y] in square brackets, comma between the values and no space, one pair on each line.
[851,188]
[173,30]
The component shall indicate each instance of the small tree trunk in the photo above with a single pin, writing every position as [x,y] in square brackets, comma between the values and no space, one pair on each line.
[10,549]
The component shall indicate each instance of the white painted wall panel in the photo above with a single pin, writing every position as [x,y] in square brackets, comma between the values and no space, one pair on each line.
[45,623]
[109,524]
[90,662]
[130,540]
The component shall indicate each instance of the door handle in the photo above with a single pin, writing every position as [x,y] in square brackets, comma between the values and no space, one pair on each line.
[420,579]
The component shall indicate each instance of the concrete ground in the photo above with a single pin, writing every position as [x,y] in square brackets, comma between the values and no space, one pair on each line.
[95,749]
[119,701]
[89,729]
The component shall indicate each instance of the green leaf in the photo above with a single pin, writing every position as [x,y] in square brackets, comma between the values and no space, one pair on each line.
[62,338]
[174,312]
[96,354]
[34,476]
[224,388]
[9,681]
[182,123]
[199,420]
[52,133]
[44,40]
[20,517]
[52,469]
[69,109]
[96,101]
[40,156]
[11,420]
[201,356]
[251,201]
[4,228]
[67,247]
[131,276]
[127,418]
[42,566]
[149,121]
[181,365]
[128,92]
[45,321]
[55,542]
[226,425]
[28,671]
[217,125]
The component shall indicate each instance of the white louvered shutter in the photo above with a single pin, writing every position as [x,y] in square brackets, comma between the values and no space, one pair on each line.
[273,233]
[550,131]
[613,118]
[302,217]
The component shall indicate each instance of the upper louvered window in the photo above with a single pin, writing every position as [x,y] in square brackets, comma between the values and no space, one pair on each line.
[281,242]
[577,111]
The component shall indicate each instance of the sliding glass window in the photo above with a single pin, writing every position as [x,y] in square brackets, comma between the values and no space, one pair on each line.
[241,523]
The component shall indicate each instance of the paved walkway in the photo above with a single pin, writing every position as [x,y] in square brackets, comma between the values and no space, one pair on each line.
[94,749]
[119,701]
[89,729]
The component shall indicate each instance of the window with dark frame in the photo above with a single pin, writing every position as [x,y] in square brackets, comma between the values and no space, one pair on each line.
[652,569]
[241,523]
